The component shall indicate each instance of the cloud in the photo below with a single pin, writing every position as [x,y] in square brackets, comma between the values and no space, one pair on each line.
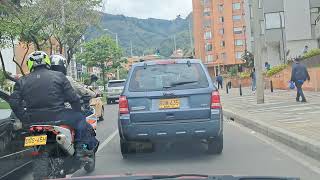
[161,9]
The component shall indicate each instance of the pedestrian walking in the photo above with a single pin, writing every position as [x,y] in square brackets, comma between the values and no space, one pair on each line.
[253,79]
[219,80]
[305,49]
[267,66]
[299,75]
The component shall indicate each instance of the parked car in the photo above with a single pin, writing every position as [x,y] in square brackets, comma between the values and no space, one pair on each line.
[114,89]
[13,156]
[170,100]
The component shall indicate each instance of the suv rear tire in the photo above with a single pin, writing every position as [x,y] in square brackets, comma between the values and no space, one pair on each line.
[215,146]
[125,148]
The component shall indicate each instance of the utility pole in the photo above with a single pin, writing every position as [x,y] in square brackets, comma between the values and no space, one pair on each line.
[191,39]
[257,53]
[175,43]
[131,48]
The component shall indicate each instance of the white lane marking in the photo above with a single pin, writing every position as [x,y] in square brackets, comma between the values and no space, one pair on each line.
[107,140]
[101,146]
[302,160]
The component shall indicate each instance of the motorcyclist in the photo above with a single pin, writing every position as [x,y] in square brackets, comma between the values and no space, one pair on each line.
[44,93]
[59,63]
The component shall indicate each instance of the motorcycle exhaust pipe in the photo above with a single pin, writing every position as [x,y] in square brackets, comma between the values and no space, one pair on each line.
[65,144]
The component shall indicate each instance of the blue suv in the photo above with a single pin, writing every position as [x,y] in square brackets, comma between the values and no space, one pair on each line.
[170,100]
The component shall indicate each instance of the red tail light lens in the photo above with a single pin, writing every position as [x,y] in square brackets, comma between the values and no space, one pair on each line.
[215,100]
[123,105]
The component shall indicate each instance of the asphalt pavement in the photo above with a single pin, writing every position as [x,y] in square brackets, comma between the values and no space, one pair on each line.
[245,153]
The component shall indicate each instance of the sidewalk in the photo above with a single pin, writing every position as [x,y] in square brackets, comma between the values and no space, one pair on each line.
[281,117]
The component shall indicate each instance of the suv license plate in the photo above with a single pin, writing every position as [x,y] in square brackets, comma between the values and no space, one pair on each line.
[169,104]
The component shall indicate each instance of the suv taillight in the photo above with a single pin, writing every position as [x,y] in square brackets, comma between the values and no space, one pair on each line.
[123,105]
[215,100]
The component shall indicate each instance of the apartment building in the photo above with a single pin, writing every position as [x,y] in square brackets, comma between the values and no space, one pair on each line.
[286,27]
[219,33]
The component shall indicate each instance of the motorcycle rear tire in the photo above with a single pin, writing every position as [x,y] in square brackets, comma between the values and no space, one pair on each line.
[41,167]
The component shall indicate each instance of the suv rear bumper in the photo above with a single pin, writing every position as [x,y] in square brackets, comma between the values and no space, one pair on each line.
[172,131]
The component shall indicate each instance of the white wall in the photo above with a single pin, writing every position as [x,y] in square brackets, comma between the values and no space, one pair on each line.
[296,47]
[273,51]
[297,19]
[7,54]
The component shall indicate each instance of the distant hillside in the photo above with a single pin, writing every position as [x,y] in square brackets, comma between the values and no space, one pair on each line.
[147,34]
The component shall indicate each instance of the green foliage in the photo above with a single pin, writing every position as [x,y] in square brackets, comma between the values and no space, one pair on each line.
[276,69]
[4,105]
[311,53]
[146,34]
[103,53]
[3,80]
[233,71]
[249,58]
[245,75]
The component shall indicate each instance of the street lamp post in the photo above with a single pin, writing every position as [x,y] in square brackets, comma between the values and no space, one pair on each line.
[117,42]
[257,53]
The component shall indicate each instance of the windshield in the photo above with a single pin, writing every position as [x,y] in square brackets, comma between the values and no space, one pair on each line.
[166,89]
[5,110]
[116,84]
[171,76]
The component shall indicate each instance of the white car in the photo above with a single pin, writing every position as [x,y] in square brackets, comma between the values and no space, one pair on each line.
[114,90]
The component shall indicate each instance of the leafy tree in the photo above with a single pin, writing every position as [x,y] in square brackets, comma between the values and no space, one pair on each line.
[249,59]
[103,53]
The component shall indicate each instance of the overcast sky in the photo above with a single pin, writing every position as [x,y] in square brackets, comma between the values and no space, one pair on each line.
[161,9]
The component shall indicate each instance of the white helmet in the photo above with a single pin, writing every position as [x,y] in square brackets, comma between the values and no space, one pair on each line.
[58,63]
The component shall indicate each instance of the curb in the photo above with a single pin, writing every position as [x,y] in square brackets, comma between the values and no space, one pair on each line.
[302,144]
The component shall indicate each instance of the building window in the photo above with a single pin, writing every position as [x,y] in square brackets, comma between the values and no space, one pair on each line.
[274,20]
[260,4]
[236,18]
[238,42]
[207,35]
[236,6]
[209,58]
[206,12]
[206,23]
[222,43]
[251,12]
[223,56]
[208,47]
[221,19]
[239,54]
[262,27]
[221,31]
[237,30]
[220,8]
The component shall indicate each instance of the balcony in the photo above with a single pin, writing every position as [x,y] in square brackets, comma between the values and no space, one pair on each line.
[317,30]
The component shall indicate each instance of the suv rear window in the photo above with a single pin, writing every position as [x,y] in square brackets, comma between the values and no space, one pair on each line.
[168,77]
[116,84]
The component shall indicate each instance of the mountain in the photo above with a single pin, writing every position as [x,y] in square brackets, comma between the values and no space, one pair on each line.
[146,35]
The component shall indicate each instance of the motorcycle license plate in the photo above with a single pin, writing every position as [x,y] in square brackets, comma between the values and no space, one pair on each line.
[35,140]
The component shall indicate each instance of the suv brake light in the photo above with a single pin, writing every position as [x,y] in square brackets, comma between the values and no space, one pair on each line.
[123,105]
[215,100]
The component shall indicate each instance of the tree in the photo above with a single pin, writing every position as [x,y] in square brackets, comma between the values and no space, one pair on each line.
[103,53]
[72,22]
[249,59]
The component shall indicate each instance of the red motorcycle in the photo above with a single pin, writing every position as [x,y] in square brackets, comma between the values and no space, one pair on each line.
[54,151]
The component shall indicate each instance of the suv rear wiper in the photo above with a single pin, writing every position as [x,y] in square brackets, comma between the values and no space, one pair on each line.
[223,177]
[179,84]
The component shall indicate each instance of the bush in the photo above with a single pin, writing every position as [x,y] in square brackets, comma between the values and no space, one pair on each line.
[245,75]
[233,71]
[276,69]
[311,53]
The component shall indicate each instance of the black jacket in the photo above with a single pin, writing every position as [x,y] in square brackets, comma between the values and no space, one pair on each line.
[299,72]
[43,93]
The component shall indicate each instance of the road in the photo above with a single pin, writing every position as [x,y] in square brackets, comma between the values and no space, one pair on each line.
[245,153]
